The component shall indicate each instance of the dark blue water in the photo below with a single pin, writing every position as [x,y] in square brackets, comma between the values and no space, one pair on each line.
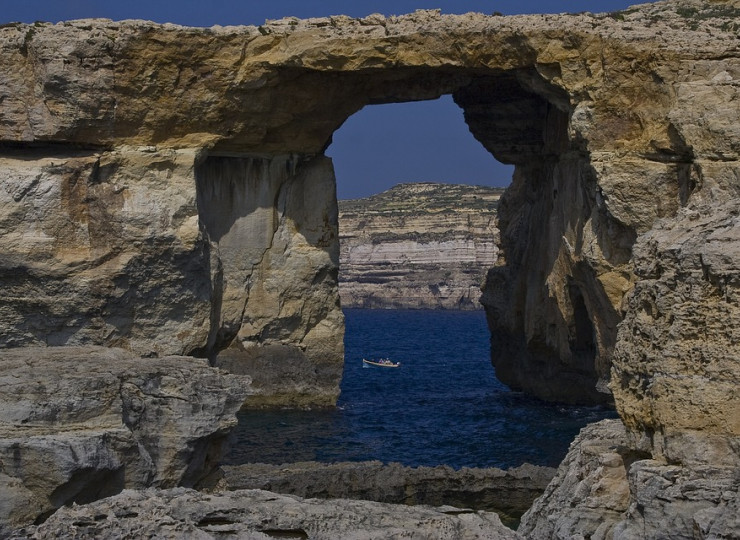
[443,406]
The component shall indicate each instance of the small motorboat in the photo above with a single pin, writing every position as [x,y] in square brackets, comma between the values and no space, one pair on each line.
[383,362]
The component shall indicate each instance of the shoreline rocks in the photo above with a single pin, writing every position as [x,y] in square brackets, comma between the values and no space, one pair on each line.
[82,423]
[509,492]
[605,488]
[262,515]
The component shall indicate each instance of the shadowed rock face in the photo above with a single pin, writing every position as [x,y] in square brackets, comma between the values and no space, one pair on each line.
[165,189]
[509,493]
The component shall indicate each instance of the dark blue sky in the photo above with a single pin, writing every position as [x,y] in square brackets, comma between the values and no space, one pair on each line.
[377,147]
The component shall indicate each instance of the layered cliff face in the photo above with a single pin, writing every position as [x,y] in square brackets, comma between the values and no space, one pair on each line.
[418,245]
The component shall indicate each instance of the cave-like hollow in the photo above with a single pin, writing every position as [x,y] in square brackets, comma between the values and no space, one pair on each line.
[540,298]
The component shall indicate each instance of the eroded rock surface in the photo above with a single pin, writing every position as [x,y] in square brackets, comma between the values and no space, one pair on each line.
[509,493]
[605,488]
[256,514]
[420,245]
[162,251]
[677,367]
[81,423]
[590,492]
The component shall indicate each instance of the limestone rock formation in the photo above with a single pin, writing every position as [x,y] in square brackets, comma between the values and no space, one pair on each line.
[161,252]
[255,514]
[81,423]
[590,492]
[612,121]
[419,245]
[509,493]
[677,366]
[677,374]
[605,488]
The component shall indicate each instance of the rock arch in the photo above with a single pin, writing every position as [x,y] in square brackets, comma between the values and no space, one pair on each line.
[158,129]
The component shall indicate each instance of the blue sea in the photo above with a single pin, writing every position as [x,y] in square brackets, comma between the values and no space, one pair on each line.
[443,406]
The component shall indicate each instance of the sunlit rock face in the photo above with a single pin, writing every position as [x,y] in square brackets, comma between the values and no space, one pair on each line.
[271,227]
[417,246]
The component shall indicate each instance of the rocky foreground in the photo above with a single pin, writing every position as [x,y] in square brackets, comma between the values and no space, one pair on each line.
[418,245]
[261,515]
[82,423]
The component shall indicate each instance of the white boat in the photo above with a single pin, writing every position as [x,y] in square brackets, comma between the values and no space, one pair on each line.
[383,362]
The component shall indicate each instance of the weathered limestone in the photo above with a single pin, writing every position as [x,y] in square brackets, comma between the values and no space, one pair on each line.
[420,245]
[589,493]
[598,179]
[613,121]
[92,241]
[677,366]
[81,423]
[604,488]
[509,493]
[163,251]
[256,514]
[276,317]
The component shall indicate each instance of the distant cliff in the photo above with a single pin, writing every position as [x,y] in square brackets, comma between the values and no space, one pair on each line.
[420,245]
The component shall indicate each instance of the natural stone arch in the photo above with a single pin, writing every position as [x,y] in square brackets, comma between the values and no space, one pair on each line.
[136,110]
[521,119]
[267,101]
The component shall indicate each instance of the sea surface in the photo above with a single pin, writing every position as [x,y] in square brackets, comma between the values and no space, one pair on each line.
[442,406]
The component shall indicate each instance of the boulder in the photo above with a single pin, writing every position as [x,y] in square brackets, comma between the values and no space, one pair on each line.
[605,489]
[81,423]
[590,492]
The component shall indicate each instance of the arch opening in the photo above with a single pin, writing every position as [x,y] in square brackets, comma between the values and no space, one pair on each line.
[417,198]
[524,121]
[543,219]
[383,145]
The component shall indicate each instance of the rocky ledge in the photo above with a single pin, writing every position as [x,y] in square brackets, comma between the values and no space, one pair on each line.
[420,245]
[509,493]
[261,515]
[81,423]
[606,489]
